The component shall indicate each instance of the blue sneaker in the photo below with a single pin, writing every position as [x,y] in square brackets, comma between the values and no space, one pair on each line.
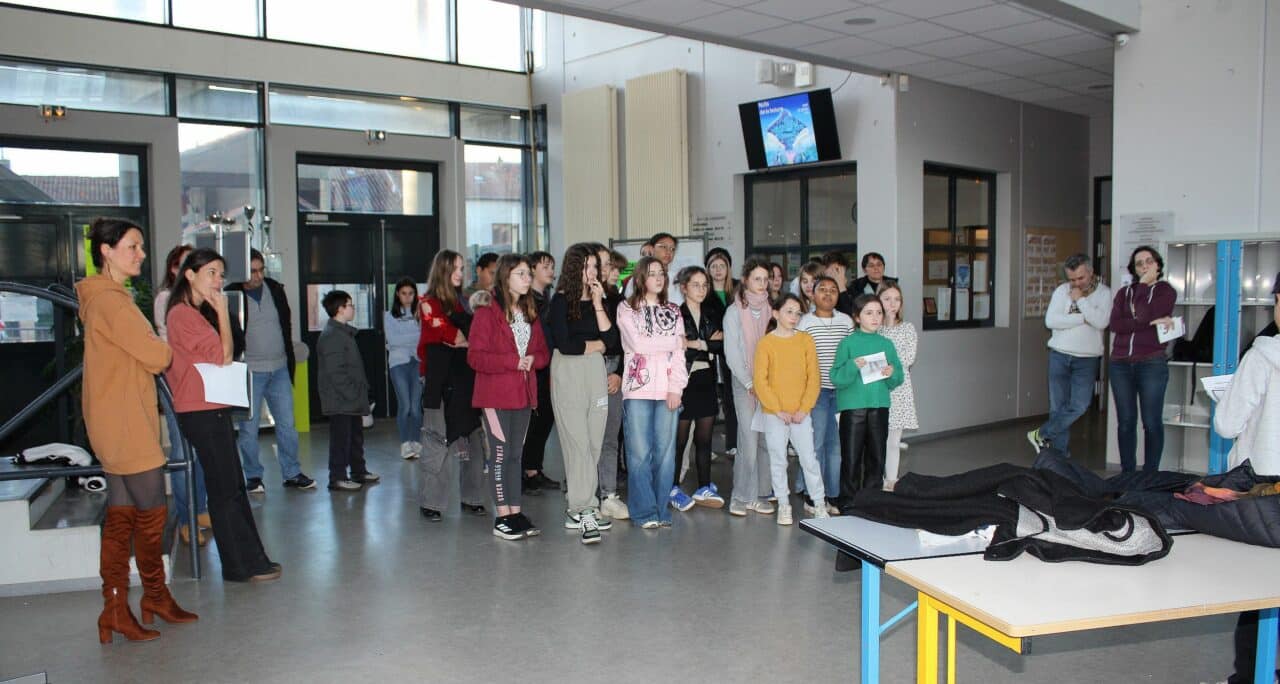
[708,496]
[679,500]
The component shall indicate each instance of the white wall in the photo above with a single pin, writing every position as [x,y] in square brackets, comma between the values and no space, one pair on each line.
[1192,132]
[975,376]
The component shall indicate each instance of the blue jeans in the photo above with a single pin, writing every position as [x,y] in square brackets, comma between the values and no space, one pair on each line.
[404,378]
[1133,383]
[1070,391]
[826,443]
[650,431]
[277,389]
[178,478]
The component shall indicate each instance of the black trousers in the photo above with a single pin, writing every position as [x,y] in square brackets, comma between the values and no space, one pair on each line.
[1246,638]
[541,420]
[346,448]
[239,546]
[863,435]
[725,389]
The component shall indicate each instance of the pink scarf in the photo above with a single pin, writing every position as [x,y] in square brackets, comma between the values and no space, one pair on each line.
[753,325]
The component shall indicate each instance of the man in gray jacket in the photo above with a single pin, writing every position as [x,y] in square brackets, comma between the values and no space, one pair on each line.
[344,393]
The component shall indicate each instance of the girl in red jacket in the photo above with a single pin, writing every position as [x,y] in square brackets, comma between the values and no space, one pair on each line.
[507,348]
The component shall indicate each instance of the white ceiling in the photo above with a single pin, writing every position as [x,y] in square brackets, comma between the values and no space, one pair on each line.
[995,46]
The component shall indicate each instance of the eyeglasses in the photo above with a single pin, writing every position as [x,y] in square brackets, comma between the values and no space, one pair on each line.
[1143,262]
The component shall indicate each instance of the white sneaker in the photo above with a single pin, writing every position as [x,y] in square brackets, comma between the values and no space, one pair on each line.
[832,509]
[820,512]
[737,508]
[762,507]
[614,507]
[784,515]
[406,450]
[417,449]
[590,528]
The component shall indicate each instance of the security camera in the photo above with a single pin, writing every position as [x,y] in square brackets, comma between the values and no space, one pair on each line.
[1122,39]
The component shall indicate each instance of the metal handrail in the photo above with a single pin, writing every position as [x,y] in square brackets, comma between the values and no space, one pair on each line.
[65,382]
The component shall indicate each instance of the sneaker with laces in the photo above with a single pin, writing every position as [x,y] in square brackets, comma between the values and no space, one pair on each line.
[300,481]
[762,507]
[590,527]
[508,527]
[820,511]
[679,500]
[574,522]
[810,509]
[545,482]
[832,508]
[613,507]
[253,485]
[708,496]
[1036,442]
[366,477]
[344,486]
[737,508]
[527,526]
[784,515]
[650,525]
[406,451]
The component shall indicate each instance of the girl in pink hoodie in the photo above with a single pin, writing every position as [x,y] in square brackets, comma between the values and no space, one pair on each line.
[654,376]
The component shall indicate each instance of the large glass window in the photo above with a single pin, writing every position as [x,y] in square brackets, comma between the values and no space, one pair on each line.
[136,10]
[225,16]
[50,176]
[483,124]
[362,190]
[81,88]
[959,247]
[495,182]
[793,216]
[221,171]
[218,100]
[490,34]
[360,112]
[409,28]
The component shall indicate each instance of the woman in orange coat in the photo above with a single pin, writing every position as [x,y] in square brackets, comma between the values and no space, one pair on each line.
[121,357]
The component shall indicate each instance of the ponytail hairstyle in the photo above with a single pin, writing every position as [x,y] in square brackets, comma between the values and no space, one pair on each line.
[885,286]
[440,280]
[508,299]
[777,306]
[748,267]
[109,232]
[640,284]
[181,293]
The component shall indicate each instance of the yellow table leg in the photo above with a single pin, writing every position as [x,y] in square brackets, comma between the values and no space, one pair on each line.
[926,641]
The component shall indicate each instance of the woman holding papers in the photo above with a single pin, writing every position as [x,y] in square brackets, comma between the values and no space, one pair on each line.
[200,333]
[121,357]
[865,372]
[1139,366]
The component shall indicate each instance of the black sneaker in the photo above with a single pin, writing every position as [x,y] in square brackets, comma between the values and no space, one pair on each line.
[507,527]
[545,482]
[344,486]
[254,486]
[474,509]
[367,478]
[300,481]
[530,530]
[529,485]
[431,514]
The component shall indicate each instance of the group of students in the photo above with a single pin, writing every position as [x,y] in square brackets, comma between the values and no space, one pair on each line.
[645,363]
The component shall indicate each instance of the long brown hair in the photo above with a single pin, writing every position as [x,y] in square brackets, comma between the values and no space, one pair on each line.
[750,265]
[171,264]
[570,284]
[885,286]
[180,293]
[440,279]
[639,283]
[506,298]
[814,270]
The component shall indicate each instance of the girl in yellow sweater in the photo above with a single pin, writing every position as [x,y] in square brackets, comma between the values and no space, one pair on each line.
[787,381]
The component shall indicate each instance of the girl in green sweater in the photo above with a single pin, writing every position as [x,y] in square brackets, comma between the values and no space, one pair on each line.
[865,371]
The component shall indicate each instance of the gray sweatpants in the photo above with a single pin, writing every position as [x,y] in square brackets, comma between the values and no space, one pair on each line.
[751,465]
[441,464]
[608,468]
[580,399]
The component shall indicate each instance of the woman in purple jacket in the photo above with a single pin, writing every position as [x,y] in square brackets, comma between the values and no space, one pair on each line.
[1139,366]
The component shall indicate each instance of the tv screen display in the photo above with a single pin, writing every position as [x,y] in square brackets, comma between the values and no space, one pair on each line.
[789,130]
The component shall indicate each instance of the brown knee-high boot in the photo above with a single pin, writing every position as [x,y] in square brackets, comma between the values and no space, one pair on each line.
[113,565]
[156,599]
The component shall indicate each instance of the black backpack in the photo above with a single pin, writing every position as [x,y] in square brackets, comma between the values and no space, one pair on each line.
[1198,349]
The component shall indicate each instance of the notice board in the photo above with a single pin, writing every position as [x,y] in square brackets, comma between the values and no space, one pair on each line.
[1043,252]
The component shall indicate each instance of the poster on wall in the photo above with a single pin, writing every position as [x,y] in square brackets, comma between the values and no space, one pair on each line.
[1134,230]
[1040,272]
[944,303]
[715,229]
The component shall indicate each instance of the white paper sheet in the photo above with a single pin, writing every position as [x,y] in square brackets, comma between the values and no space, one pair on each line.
[874,366]
[1216,385]
[1171,332]
[225,384]
[962,304]
[944,303]
[981,307]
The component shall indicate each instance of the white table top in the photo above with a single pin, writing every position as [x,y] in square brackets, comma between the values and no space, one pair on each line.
[880,543]
[1202,575]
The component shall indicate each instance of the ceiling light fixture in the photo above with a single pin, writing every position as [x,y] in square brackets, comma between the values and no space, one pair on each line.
[860,21]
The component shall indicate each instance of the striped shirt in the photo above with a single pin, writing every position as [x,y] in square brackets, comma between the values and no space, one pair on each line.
[827,334]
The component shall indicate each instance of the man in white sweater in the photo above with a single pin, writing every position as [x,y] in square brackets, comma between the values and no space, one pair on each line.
[1078,315]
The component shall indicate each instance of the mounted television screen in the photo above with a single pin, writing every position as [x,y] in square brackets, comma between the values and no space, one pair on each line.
[791,129]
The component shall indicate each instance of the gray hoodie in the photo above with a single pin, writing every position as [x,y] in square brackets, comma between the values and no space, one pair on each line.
[1250,410]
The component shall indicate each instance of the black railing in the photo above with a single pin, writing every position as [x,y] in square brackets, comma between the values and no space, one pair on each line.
[65,382]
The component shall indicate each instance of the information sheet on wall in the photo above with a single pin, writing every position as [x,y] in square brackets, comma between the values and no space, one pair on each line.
[715,229]
[1040,267]
[1153,229]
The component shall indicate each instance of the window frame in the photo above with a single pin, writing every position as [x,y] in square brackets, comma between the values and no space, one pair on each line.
[955,249]
[806,249]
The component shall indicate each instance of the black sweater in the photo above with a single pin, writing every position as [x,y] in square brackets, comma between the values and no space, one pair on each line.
[571,337]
